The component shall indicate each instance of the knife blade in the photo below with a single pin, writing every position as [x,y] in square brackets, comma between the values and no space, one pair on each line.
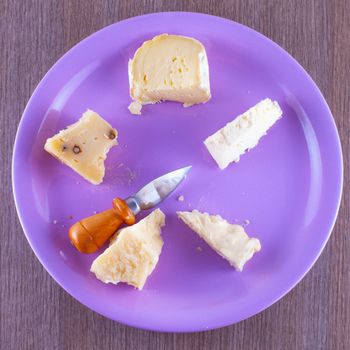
[89,234]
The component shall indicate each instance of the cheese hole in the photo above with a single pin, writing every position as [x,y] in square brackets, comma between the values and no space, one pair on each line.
[180,70]
[171,83]
[111,135]
[76,149]
[174,59]
[145,78]
[95,138]
[164,81]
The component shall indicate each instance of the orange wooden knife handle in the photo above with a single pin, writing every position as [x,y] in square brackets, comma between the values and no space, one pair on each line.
[91,233]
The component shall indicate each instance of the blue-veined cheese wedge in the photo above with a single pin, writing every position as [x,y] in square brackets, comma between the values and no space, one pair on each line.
[169,67]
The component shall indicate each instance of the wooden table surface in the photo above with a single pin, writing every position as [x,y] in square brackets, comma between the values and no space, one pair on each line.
[38,314]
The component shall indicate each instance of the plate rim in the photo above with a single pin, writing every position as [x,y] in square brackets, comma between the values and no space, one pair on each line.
[181,328]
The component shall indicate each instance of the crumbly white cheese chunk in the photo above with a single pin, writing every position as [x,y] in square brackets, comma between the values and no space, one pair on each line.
[228,240]
[169,67]
[243,133]
[133,252]
[84,146]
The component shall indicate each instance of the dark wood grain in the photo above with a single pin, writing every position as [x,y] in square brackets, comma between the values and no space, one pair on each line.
[36,313]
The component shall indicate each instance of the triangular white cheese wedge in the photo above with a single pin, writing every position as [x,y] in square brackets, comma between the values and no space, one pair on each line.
[228,240]
[243,133]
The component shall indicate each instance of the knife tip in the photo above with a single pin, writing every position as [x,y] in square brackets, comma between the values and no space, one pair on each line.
[187,169]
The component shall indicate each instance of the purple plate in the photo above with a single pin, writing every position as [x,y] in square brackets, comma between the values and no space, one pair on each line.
[288,187]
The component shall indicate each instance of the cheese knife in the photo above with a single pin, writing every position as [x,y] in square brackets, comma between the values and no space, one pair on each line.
[89,234]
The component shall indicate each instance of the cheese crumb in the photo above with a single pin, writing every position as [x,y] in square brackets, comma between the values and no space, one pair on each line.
[246,222]
[135,108]
[181,198]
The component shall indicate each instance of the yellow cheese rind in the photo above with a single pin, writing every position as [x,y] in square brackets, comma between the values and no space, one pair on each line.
[228,240]
[133,252]
[84,145]
[170,67]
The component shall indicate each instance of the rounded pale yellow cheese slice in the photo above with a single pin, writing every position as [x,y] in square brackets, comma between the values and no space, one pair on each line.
[170,67]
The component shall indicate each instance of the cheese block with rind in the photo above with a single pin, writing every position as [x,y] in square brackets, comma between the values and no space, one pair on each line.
[84,145]
[169,67]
